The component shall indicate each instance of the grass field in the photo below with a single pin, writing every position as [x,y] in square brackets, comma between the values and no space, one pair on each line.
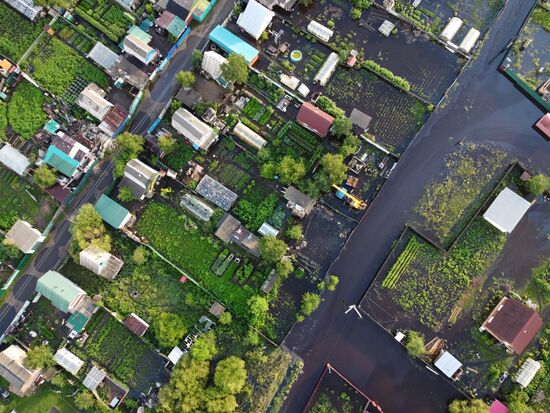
[41,402]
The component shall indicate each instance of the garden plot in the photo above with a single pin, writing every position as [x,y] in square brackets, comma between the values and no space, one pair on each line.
[427,66]
[531,50]
[106,16]
[21,200]
[74,36]
[56,66]
[396,116]
[16,32]
[137,366]
[451,200]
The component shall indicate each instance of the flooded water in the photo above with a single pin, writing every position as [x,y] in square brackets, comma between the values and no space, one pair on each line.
[484,108]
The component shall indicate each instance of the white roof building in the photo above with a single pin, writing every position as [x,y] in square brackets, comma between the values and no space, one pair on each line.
[268,230]
[139,49]
[127,4]
[212,64]
[327,69]
[193,129]
[26,7]
[469,41]
[68,361]
[12,368]
[248,136]
[24,236]
[103,56]
[527,372]
[506,210]
[100,262]
[175,355]
[92,100]
[255,19]
[320,31]
[386,28]
[303,90]
[291,82]
[140,178]
[448,364]
[13,159]
[451,29]
[94,378]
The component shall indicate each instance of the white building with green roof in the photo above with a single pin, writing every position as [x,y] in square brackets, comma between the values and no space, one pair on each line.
[112,212]
[62,292]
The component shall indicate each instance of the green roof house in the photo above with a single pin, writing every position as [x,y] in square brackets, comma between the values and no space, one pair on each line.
[112,213]
[62,292]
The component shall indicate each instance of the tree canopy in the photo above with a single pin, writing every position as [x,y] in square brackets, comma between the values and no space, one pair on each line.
[236,69]
[341,126]
[169,329]
[167,144]
[537,184]
[333,167]
[44,176]
[310,302]
[272,249]
[39,357]
[468,406]
[415,343]
[204,348]
[290,170]
[230,375]
[88,229]
[185,79]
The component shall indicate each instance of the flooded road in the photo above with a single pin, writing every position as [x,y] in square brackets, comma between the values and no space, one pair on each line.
[483,107]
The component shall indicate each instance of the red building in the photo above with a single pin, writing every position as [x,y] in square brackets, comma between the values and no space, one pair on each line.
[314,119]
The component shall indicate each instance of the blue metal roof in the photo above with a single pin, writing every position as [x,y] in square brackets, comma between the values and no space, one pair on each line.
[233,44]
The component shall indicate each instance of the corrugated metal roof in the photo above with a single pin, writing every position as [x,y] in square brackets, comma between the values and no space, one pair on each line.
[233,44]
[60,161]
[112,213]
[103,56]
[314,119]
[61,291]
[255,19]
[176,27]
[506,210]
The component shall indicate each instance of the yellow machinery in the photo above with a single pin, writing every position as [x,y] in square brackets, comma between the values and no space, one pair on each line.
[355,202]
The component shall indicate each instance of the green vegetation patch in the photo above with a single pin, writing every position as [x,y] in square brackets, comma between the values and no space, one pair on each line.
[108,17]
[16,32]
[16,201]
[55,66]
[25,115]
[42,401]
[178,238]
[542,17]
[255,207]
[450,201]
[430,283]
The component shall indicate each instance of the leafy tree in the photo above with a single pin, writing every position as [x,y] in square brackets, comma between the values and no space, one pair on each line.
[169,329]
[167,144]
[226,318]
[125,194]
[196,60]
[310,302]
[284,267]
[59,380]
[39,357]
[333,281]
[140,255]
[230,375]
[132,145]
[291,170]
[88,229]
[236,69]
[44,176]
[204,348]
[415,344]
[294,232]
[272,249]
[350,145]
[8,251]
[85,400]
[537,184]
[333,167]
[258,308]
[468,406]
[341,126]
[165,192]
[217,402]
[185,79]
[306,3]
[66,4]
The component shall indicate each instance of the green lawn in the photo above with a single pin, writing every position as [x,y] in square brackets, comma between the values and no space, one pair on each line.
[42,401]
[15,201]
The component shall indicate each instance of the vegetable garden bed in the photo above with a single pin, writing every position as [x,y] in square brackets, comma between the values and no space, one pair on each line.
[16,32]
[106,16]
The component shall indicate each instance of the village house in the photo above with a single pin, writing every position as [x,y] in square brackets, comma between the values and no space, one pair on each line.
[230,229]
[314,119]
[13,370]
[136,43]
[211,65]
[140,178]
[24,236]
[112,212]
[299,203]
[92,100]
[255,19]
[136,324]
[67,155]
[198,133]
[230,43]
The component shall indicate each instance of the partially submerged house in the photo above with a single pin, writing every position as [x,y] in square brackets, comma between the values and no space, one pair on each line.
[230,43]
[299,203]
[216,193]
[498,407]
[506,210]
[92,100]
[24,236]
[68,361]
[314,119]
[67,156]
[140,178]
[193,129]
[112,212]
[136,325]
[513,324]
[12,159]
[13,370]
[448,365]
[543,125]
[255,19]
[100,262]
[230,229]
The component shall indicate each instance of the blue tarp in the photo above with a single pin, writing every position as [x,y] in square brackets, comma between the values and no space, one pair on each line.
[233,44]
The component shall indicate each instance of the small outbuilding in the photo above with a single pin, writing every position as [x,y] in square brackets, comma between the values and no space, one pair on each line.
[248,136]
[24,236]
[527,372]
[197,207]
[68,361]
[216,193]
[136,324]
[386,28]
[255,19]
[216,309]
[267,230]
[92,100]
[193,129]
[360,119]
[233,44]
[299,203]
[451,29]
[469,41]
[314,119]
[513,324]
[448,365]
[506,210]
[140,178]
[498,407]
[543,126]
[100,262]
[94,378]
[12,159]
[112,212]
[62,292]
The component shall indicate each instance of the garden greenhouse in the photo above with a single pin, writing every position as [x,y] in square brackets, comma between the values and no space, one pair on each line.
[451,29]
[328,68]
[248,136]
[320,31]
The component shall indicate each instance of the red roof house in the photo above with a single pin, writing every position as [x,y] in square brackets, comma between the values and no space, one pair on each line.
[498,407]
[543,126]
[513,324]
[314,119]
[136,325]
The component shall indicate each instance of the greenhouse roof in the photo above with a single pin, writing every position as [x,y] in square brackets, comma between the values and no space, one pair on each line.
[68,361]
[13,159]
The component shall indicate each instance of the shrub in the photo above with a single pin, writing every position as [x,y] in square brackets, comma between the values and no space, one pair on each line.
[537,184]
[415,344]
[387,74]
[25,114]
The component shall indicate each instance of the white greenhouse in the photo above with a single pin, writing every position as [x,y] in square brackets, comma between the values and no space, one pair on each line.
[451,29]
[320,31]
[527,372]
[469,41]
[328,68]
[291,82]
[248,136]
